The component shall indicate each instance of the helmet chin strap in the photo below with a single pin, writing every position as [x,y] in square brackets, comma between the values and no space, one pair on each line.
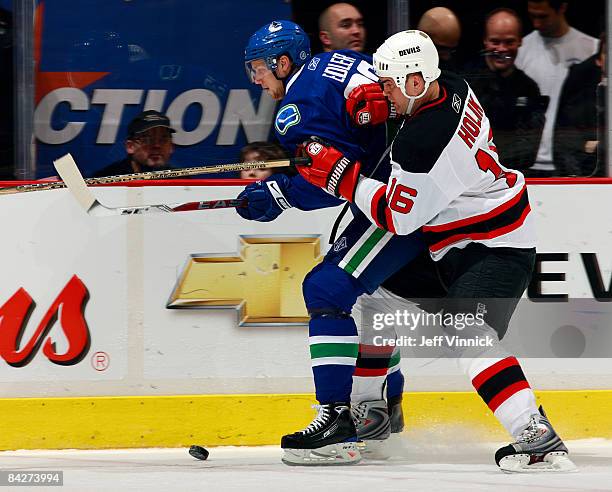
[412,99]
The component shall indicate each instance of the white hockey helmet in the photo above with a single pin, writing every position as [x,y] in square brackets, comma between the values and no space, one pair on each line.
[404,53]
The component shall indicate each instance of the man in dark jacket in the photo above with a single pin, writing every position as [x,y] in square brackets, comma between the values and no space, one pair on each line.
[148,146]
[579,136]
[510,98]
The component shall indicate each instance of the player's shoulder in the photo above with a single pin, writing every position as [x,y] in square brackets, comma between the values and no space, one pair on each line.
[424,136]
[445,112]
[318,89]
[327,56]
[326,75]
[335,67]
[453,82]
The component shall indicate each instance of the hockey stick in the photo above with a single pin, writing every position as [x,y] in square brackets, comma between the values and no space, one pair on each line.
[69,172]
[171,173]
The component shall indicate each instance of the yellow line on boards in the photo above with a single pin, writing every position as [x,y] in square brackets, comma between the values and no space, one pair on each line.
[255,419]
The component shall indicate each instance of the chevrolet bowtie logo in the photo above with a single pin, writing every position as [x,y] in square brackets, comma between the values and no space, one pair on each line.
[263,281]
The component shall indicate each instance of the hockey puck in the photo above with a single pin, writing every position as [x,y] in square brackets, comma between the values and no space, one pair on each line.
[198,452]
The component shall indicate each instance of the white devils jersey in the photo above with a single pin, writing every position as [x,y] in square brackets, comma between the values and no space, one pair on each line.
[447,180]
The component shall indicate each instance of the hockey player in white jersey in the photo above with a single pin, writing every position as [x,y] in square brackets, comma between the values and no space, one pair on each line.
[447,181]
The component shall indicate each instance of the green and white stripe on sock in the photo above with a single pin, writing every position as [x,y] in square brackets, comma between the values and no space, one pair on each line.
[365,250]
[394,361]
[328,350]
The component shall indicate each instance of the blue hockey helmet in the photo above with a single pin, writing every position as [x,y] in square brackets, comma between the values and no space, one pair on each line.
[277,38]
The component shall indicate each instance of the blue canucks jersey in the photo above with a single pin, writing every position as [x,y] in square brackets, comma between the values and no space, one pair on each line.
[314,104]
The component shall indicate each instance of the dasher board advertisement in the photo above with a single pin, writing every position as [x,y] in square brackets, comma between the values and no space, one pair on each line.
[100,64]
[207,302]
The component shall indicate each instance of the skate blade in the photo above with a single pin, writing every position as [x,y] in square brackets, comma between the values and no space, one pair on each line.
[380,449]
[374,449]
[555,461]
[344,453]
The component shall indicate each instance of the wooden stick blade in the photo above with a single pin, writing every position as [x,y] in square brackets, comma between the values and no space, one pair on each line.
[165,174]
[67,169]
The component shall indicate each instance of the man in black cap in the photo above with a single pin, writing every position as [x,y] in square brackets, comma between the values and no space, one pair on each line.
[148,146]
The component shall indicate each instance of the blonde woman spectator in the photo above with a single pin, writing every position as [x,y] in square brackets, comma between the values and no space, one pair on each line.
[262,151]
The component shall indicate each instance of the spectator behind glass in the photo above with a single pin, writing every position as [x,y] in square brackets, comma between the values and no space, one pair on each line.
[580,143]
[6,96]
[341,28]
[148,146]
[263,151]
[546,55]
[511,100]
[444,29]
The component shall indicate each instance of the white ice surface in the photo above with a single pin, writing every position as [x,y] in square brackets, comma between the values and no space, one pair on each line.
[467,467]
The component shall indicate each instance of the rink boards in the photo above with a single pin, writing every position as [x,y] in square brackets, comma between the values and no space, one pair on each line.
[149,350]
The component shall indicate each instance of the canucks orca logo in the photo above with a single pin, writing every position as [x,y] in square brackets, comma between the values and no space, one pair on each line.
[287,117]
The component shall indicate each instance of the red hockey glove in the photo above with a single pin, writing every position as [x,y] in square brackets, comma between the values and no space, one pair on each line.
[330,169]
[367,105]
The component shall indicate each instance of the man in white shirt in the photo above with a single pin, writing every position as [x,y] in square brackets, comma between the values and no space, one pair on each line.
[545,56]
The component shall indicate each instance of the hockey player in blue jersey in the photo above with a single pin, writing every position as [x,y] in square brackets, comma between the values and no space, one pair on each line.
[313,91]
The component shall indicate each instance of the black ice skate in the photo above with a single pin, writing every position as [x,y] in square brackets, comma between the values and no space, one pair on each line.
[537,449]
[330,439]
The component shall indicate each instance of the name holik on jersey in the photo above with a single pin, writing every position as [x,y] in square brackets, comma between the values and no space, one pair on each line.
[471,123]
